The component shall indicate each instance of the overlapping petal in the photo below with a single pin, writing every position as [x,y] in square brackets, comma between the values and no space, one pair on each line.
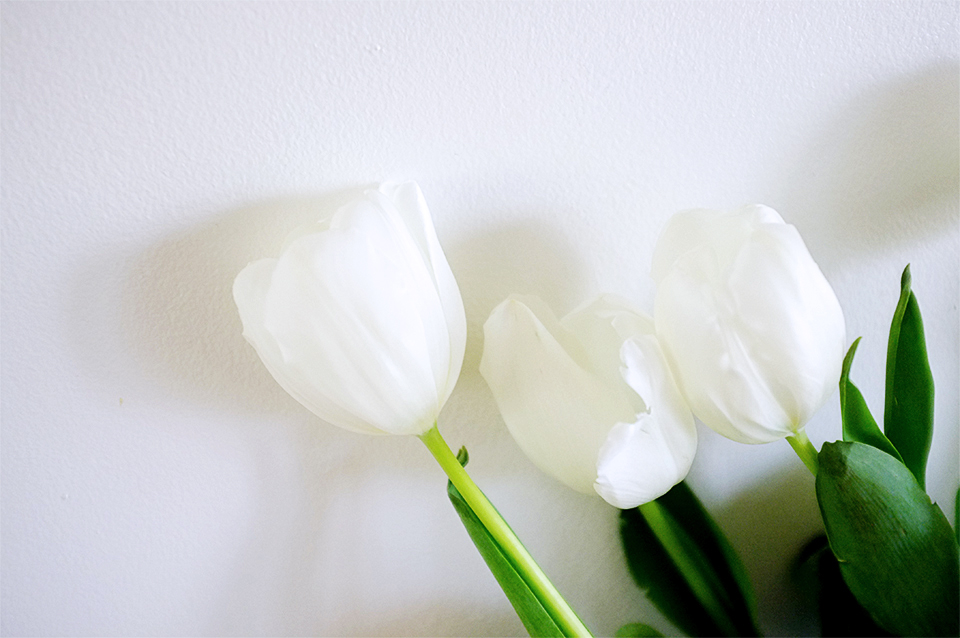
[749,323]
[360,318]
[568,393]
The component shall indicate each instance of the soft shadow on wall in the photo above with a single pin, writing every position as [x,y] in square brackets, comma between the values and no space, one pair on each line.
[771,521]
[180,318]
[530,258]
[885,170]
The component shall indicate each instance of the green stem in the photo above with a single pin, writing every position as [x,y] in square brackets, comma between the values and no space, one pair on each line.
[695,577]
[515,552]
[805,450]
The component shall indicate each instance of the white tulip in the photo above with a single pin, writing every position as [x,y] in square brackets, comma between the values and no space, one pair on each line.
[751,327]
[360,318]
[589,399]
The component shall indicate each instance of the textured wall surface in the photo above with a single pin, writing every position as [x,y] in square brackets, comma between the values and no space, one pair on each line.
[156,481]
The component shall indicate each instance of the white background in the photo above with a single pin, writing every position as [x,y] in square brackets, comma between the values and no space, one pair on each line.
[155,480]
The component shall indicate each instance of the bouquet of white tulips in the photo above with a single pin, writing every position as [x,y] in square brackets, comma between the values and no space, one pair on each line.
[360,319]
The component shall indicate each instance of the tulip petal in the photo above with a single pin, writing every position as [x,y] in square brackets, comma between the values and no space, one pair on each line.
[249,293]
[642,460]
[751,326]
[348,308]
[412,209]
[600,327]
[792,323]
[556,408]
[700,228]
[360,318]
[634,464]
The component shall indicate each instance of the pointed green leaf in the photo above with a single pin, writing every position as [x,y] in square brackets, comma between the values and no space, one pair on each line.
[637,630]
[535,618]
[908,407]
[896,550]
[858,424]
[696,579]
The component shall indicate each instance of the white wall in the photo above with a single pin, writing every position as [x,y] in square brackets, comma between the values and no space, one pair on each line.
[155,480]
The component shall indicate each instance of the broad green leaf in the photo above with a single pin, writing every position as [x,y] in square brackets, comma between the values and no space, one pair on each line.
[897,552]
[858,424]
[637,630]
[718,599]
[534,617]
[908,403]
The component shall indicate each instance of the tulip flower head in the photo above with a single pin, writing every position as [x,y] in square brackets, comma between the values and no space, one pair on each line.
[589,398]
[751,327]
[360,318]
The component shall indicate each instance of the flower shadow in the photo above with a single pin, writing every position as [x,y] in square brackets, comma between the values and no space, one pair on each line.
[885,169]
[768,525]
[179,318]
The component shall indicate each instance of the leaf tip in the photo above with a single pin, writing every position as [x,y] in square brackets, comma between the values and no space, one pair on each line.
[848,360]
[463,456]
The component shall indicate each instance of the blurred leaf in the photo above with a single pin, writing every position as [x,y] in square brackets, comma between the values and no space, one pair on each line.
[720,600]
[896,551]
[535,618]
[908,407]
[660,579]
[637,630]
[858,424]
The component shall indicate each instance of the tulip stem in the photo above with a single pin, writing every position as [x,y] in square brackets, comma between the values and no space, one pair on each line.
[513,549]
[805,450]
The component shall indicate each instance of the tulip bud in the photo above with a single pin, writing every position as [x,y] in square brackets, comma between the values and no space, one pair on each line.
[748,322]
[589,399]
[360,318]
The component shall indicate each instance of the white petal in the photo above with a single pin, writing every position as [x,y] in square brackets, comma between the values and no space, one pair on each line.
[685,231]
[249,293]
[791,320]
[637,464]
[723,233]
[412,208]
[751,327]
[642,460]
[557,410]
[698,331]
[355,313]
[600,327]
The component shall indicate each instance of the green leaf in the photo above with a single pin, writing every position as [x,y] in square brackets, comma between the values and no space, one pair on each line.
[858,424]
[637,630]
[956,517]
[908,407]
[840,613]
[897,552]
[535,618]
[704,593]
